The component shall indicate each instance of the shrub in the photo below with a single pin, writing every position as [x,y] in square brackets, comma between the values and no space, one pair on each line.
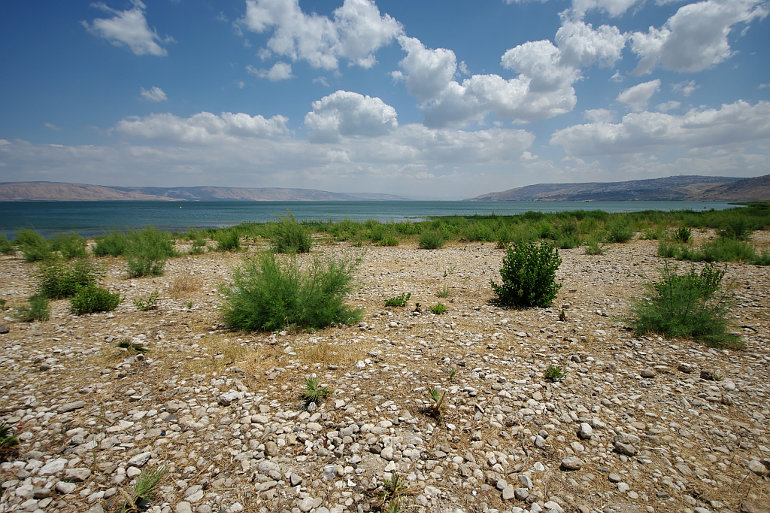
[667,250]
[150,303]
[686,305]
[389,240]
[113,244]
[314,393]
[735,227]
[289,236]
[619,231]
[593,247]
[682,234]
[431,239]
[70,245]
[33,246]
[92,299]
[554,373]
[59,280]
[528,275]
[38,309]
[228,240]
[266,295]
[147,252]
[6,248]
[438,309]
[399,300]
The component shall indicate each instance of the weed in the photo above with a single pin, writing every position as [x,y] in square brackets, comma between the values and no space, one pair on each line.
[189,305]
[314,393]
[9,444]
[147,252]
[686,305]
[289,236]
[60,280]
[33,246]
[431,239]
[113,244]
[185,284]
[392,491]
[528,276]
[148,303]
[437,396]
[37,309]
[437,309]
[682,234]
[400,300]
[389,240]
[267,296]
[444,292]
[198,246]
[554,373]
[6,248]
[92,299]
[619,230]
[144,489]
[131,347]
[593,247]
[227,240]
[69,245]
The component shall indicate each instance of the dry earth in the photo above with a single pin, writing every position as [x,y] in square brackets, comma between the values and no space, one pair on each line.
[635,417]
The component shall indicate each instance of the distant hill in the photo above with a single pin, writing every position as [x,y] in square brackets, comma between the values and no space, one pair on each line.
[57,191]
[687,187]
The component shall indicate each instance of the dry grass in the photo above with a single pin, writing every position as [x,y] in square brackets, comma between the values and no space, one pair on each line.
[325,353]
[216,353]
[182,286]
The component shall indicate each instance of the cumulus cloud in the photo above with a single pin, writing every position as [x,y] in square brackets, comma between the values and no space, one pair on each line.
[686,88]
[279,71]
[733,123]
[355,31]
[202,128]
[695,37]
[154,94]
[344,113]
[542,88]
[638,96]
[612,7]
[128,28]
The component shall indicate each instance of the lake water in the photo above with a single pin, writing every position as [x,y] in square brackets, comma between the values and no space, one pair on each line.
[90,218]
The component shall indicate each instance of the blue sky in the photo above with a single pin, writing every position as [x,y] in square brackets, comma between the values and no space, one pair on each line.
[434,99]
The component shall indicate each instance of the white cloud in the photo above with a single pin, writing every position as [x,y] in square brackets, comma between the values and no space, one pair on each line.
[128,28]
[426,72]
[580,45]
[202,128]
[599,115]
[686,88]
[695,37]
[279,71]
[344,113]
[51,126]
[638,96]
[154,94]
[612,7]
[356,31]
[669,105]
[735,123]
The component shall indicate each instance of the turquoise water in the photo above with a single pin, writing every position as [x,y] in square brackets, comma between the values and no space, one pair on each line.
[90,218]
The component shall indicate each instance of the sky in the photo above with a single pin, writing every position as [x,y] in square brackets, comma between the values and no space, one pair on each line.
[426,99]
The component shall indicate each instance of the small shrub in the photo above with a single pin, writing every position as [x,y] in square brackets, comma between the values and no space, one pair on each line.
[667,250]
[686,305]
[113,244]
[198,246]
[37,309]
[438,309]
[528,276]
[444,292]
[400,300]
[438,396]
[131,347]
[736,228]
[619,231]
[60,280]
[6,248]
[593,247]
[70,245]
[289,236]
[682,234]
[33,246]
[147,252]
[228,240]
[267,296]
[144,490]
[431,239]
[9,444]
[389,240]
[92,299]
[314,393]
[554,373]
[568,241]
[147,304]
[392,491]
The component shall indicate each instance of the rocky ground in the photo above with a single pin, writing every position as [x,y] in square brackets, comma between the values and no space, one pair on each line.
[638,424]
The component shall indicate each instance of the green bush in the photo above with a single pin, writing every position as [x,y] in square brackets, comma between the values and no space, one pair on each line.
[266,295]
[400,300]
[59,279]
[736,227]
[147,252]
[528,275]
[554,373]
[6,248]
[38,309]
[147,304]
[92,299]
[593,247]
[682,234]
[619,231]
[33,246]
[9,444]
[438,308]
[228,240]
[431,239]
[686,305]
[70,245]
[289,236]
[113,244]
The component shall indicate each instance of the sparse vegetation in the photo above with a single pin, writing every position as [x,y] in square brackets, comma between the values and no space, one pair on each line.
[291,237]
[438,308]
[431,239]
[130,346]
[267,295]
[400,300]
[528,276]
[227,240]
[37,309]
[6,248]
[393,490]
[60,280]
[437,396]
[144,490]
[148,303]
[554,373]
[443,292]
[33,246]
[93,299]
[69,245]
[314,393]
[9,444]
[113,244]
[147,252]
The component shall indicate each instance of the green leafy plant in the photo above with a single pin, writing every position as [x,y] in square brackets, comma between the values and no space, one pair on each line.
[92,299]
[6,248]
[400,300]
[593,247]
[228,240]
[113,244]
[682,234]
[33,246]
[438,308]
[528,276]
[437,396]
[554,373]
[686,305]
[148,303]
[59,279]
[289,236]
[147,252]
[619,230]
[443,292]
[431,239]
[314,392]
[393,490]
[198,246]
[70,245]
[389,240]
[9,444]
[266,295]
[144,490]
[37,309]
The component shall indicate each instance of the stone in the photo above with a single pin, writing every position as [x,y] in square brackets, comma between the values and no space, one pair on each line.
[4,329]
[77,475]
[647,373]
[53,467]
[508,493]
[65,488]
[571,463]
[72,406]
[585,431]
[624,448]
[749,506]
[140,459]
[758,468]
[183,507]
